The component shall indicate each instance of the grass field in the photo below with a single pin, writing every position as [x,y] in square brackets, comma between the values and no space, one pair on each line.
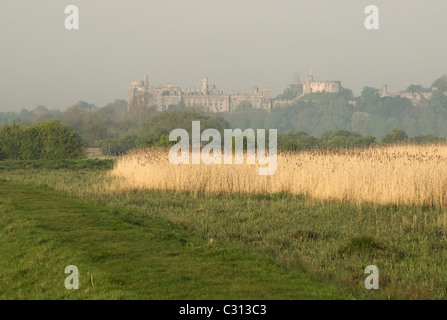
[127,254]
[291,234]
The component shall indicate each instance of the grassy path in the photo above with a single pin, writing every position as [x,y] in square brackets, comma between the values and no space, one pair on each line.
[123,254]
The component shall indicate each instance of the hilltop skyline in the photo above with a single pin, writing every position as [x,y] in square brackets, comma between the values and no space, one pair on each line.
[237,44]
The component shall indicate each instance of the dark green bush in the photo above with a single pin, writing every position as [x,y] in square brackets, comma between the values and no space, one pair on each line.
[45,140]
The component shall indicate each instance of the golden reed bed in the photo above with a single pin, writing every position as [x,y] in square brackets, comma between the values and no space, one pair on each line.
[404,174]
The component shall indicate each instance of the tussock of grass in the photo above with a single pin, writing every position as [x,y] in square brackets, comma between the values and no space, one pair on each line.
[302,235]
[363,245]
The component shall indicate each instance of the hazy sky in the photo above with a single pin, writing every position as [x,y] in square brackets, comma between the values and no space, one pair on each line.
[236,43]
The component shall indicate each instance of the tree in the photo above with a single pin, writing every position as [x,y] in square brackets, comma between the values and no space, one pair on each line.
[347,94]
[75,117]
[58,141]
[44,140]
[370,95]
[94,131]
[294,141]
[10,141]
[345,139]
[440,84]
[416,88]
[118,147]
[361,121]
[396,136]
[40,112]
[429,138]
[141,109]
[155,131]
[438,102]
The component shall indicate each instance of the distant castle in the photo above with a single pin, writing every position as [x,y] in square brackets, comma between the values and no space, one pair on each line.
[299,90]
[414,97]
[311,86]
[208,96]
[143,93]
[211,98]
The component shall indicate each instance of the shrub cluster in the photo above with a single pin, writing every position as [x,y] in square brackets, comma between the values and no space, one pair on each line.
[42,141]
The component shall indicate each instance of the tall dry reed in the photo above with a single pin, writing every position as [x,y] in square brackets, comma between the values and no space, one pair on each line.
[404,174]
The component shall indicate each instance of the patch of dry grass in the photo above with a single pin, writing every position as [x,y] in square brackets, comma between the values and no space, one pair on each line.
[403,174]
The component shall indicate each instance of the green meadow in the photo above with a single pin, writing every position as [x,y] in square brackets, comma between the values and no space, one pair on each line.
[162,245]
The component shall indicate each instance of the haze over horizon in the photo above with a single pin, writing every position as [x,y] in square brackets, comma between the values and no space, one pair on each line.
[237,44]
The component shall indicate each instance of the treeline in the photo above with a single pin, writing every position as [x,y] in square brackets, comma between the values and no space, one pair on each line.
[294,141]
[50,140]
[42,141]
[155,133]
[92,123]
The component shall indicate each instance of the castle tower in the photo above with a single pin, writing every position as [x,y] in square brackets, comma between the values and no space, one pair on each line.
[145,81]
[384,91]
[267,93]
[205,85]
[309,79]
[307,87]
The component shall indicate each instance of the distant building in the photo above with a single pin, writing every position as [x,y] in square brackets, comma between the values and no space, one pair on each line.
[415,97]
[208,96]
[301,89]
[311,86]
